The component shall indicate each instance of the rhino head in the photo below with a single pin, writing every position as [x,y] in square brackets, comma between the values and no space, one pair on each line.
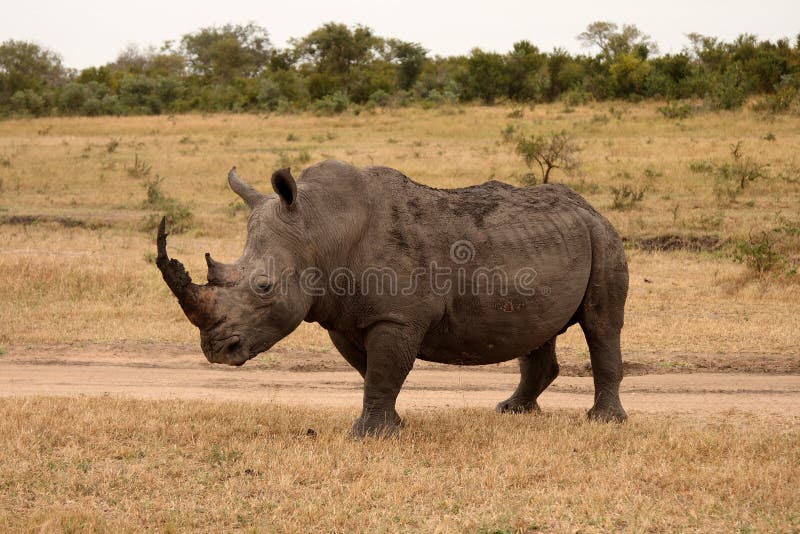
[248,306]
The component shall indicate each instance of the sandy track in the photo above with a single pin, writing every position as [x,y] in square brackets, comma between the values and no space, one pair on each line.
[178,375]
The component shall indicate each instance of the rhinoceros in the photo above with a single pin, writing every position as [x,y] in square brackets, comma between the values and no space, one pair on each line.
[397,271]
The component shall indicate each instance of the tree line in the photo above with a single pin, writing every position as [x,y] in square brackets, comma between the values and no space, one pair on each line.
[236,68]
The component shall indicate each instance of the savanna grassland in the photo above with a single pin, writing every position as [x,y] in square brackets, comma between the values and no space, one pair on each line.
[115,465]
[713,281]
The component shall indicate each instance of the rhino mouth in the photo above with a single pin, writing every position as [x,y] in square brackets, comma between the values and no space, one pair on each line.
[231,349]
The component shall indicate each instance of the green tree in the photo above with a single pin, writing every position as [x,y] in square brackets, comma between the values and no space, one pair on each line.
[486,76]
[227,52]
[526,69]
[334,52]
[27,66]
[613,40]
[410,59]
[565,72]
[629,73]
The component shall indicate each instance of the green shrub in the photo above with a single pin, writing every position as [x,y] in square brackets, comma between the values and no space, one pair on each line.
[28,102]
[675,110]
[742,169]
[576,96]
[379,98]
[626,197]
[332,104]
[782,100]
[508,133]
[701,167]
[235,207]
[179,216]
[72,98]
[155,197]
[729,90]
[758,253]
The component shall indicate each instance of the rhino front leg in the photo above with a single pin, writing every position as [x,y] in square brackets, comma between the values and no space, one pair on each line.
[537,369]
[391,351]
[350,351]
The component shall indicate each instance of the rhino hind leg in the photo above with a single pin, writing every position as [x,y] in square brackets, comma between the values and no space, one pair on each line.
[601,316]
[604,351]
[537,369]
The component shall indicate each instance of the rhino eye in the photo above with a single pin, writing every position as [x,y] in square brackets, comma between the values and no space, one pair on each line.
[261,286]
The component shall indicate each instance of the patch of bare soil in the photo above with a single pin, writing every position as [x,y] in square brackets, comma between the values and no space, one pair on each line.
[181,356]
[66,222]
[296,377]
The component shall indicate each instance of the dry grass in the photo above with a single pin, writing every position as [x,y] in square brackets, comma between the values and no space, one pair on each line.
[78,284]
[108,465]
[84,274]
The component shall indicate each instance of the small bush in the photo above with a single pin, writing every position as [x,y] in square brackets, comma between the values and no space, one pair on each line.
[675,110]
[733,176]
[235,207]
[626,197]
[576,97]
[508,133]
[333,104]
[379,98]
[758,253]
[179,216]
[701,167]
[729,91]
[559,151]
[781,101]
[112,145]
[140,168]
[303,156]
[516,113]
[155,197]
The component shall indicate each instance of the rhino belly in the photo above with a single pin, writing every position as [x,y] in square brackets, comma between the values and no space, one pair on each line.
[496,328]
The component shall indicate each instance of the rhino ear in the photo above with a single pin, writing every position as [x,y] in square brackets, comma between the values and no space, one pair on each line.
[284,185]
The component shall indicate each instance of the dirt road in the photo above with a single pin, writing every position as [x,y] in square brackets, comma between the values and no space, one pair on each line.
[323,379]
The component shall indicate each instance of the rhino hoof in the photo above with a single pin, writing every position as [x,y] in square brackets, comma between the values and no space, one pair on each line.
[513,405]
[380,428]
[607,414]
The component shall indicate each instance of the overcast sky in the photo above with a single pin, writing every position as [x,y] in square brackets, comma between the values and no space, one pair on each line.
[93,32]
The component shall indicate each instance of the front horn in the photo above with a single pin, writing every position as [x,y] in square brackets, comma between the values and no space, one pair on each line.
[196,301]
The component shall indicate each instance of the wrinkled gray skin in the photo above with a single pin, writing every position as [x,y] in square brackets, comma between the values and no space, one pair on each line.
[339,217]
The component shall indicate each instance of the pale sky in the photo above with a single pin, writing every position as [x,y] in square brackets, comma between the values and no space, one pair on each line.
[93,32]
